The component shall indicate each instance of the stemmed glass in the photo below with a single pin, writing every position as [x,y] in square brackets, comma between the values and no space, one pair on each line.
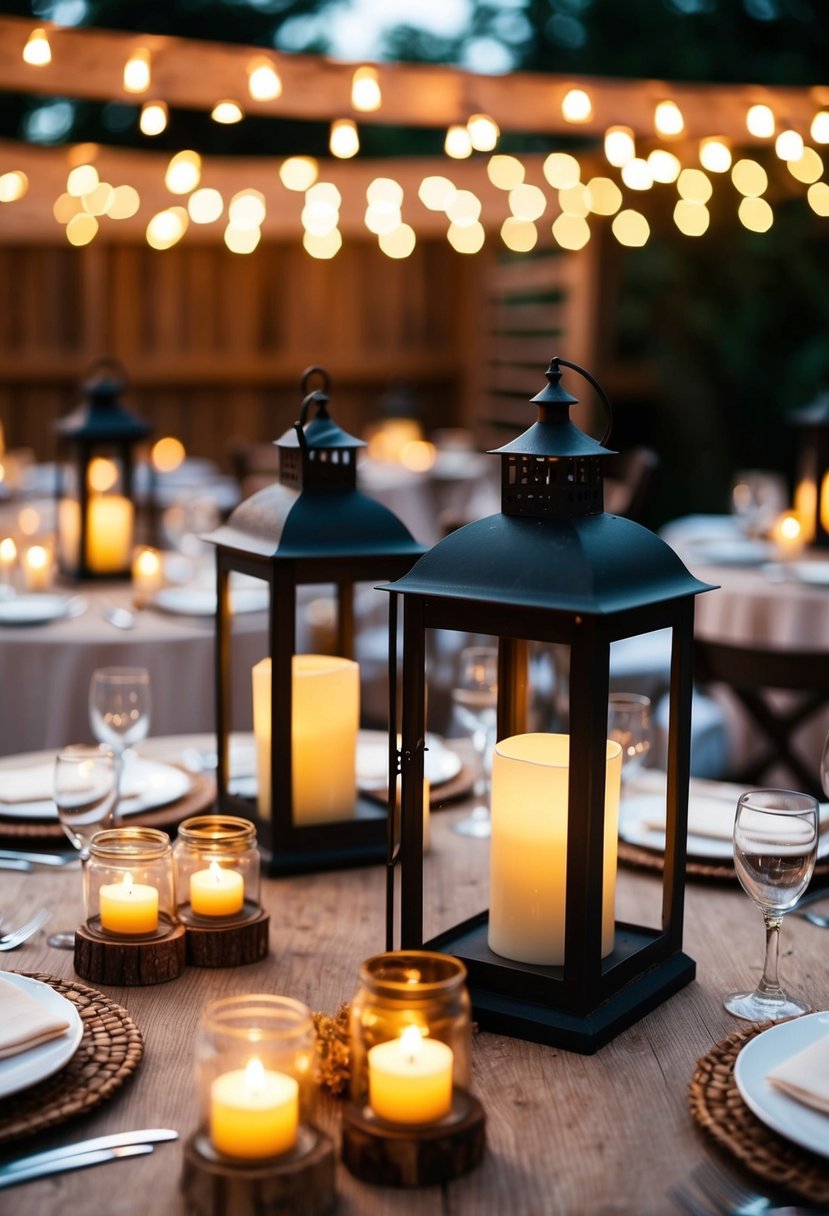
[119,710]
[84,790]
[629,724]
[824,768]
[775,846]
[475,698]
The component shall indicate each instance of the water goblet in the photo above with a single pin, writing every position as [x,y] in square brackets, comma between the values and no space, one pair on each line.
[775,845]
[629,725]
[475,699]
[84,791]
[119,710]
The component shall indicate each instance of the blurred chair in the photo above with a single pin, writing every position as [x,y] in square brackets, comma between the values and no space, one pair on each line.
[254,465]
[629,482]
[780,691]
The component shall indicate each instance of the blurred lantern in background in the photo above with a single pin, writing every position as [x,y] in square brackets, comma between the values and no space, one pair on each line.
[811,496]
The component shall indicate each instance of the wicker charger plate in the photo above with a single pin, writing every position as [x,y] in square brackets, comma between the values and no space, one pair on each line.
[200,796]
[718,1108]
[110,1051]
[651,859]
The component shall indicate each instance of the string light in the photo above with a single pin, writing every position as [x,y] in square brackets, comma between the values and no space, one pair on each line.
[385,190]
[750,178]
[464,208]
[205,206]
[576,106]
[755,214]
[467,238]
[227,112]
[458,143]
[382,217]
[436,192]
[124,203]
[298,172]
[664,166]
[561,170]
[137,72]
[399,243]
[667,118]
[519,235]
[818,196]
[789,145]
[505,172]
[366,95]
[637,174]
[81,229]
[37,52]
[691,218]
[264,82]
[97,201]
[344,141]
[760,122]
[694,186]
[619,147]
[484,132]
[527,202]
[571,231]
[603,196]
[323,247]
[808,169]
[631,228]
[247,209]
[575,200]
[81,180]
[715,155]
[13,186]
[242,240]
[65,206]
[183,172]
[166,228]
[819,129]
[153,117]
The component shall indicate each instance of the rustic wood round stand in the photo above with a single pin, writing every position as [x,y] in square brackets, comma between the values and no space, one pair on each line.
[391,1154]
[132,962]
[211,942]
[301,1183]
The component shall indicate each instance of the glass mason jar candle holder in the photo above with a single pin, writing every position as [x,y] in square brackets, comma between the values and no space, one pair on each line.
[129,887]
[254,1068]
[217,868]
[411,1038]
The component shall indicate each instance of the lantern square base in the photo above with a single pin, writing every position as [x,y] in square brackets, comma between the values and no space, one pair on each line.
[314,848]
[230,943]
[133,962]
[300,1183]
[389,1154]
[529,1002]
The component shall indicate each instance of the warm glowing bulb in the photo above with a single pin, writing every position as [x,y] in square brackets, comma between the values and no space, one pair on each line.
[137,72]
[247,209]
[760,122]
[458,143]
[819,129]
[37,51]
[242,240]
[8,551]
[13,186]
[561,170]
[576,106]
[571,231]
[519,235]
[691,218]
[619,146]
[183,172]
[319,215]
[631,228]
[436,192]
[65,206]
[483,132]
[526,202]
[166,228]
[749,177]
[344,141]
[37,557]
[603,196]
[167,453]
[205,206]
[505,172]
[789,145]
[715,155]
[153,117]
[97,201]
[102,474]
[664,166]
[298,172]
[123,203]
[323,247]
[637,174]
[466,238]
[81,229]
[818,196]
[227,112]
[81,180]
[667,118]
[365,90]
[465,208]
[264,83]
[399,243]
[693,186]
[385,190]
[324,192]
[382,217]
[755,214]
[808,169]
[575,200]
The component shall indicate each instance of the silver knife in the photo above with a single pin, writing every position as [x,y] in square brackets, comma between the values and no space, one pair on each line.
[78,1161]
[15,863]
[35,859]
[146,1136]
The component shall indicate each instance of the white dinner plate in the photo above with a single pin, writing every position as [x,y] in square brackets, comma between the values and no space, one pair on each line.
[440,763]
[34,609]
[201,601]
[814,573]
[155,785]
[636,826]
[737,552]
[20,1071]
[784,1115]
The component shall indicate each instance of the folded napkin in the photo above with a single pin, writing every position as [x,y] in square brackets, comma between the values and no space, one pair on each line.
[711,812]
[805,1075]
[36,784]
[24,1023]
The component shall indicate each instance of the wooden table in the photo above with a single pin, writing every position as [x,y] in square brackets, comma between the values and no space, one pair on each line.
[597,1135]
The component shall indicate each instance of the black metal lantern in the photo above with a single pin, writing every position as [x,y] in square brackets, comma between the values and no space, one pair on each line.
[95,488]
[811,496]
[552,567]
[313,526]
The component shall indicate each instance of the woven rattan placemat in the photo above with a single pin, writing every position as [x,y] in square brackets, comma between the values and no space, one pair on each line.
[650,859]
[718,1108]
[201,796]
[109,1052]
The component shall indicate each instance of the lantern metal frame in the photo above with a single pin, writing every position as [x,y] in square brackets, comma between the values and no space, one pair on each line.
[551,568]
[100,425]
[813,469]
[312,527]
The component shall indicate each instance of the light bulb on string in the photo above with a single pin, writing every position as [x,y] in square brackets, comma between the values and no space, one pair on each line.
[344,140]
[137,72]
[264,82]
[366,95]
[37,52]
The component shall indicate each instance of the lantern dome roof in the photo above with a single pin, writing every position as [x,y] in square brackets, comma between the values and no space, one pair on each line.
[596,565]
[102,417]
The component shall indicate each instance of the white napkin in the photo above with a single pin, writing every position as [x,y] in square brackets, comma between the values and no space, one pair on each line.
[32,784]
[24,1023]
[805,1075]
[711,812]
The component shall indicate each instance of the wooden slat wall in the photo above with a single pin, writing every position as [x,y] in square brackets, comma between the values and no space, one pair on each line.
[214,344]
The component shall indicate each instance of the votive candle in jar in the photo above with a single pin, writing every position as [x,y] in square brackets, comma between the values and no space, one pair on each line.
[217,866]
[129,888]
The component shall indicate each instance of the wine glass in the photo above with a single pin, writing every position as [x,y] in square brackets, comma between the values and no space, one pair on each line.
[629,724]
[475,699]
[119,710]
[84,789]
[824,768]
[775,845]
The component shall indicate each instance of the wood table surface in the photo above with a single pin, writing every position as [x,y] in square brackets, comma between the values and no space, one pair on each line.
[602,1135]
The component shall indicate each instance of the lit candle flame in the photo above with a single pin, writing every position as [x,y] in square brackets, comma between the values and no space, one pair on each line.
[254,1075]
[410,1042]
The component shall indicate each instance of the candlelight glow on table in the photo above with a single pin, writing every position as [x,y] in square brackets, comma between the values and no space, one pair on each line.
[216,891]
[254,1112]
[410,1078]
[128,907]
[147,575]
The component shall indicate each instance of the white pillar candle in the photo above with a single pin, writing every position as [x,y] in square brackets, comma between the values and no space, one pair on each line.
[110,519]
[528,849]
[325,720]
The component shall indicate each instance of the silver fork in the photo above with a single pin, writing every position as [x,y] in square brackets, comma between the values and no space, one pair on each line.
[724,1194]
[16,937]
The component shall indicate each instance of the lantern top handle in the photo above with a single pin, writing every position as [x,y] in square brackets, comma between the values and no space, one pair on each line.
[319,397]
[553,393]
[107,375]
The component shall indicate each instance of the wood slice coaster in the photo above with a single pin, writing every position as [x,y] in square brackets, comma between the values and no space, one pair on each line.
[200,797]
[208,944]
[109,1052]
[650,859]
[131,963]
[717,1106]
